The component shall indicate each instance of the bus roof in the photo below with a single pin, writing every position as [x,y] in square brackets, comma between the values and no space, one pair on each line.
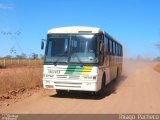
[75,29]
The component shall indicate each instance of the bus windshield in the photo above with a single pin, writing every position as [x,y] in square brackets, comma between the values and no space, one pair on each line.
[71,49]
[83,49]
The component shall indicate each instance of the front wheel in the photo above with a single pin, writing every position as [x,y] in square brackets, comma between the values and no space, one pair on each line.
[102,91]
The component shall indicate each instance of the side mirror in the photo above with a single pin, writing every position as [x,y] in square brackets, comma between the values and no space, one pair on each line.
[101,36]
[42,45]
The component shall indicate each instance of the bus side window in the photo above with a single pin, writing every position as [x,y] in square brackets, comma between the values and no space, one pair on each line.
[117,49]
[114,48]
[120,50]
[106,45]
[110,47]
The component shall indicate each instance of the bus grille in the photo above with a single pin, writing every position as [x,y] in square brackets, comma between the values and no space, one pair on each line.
[62,76]
[68,77]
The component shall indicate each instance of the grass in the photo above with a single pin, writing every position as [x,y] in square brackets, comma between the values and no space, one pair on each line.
[19,62]
[19,77]
[157,67]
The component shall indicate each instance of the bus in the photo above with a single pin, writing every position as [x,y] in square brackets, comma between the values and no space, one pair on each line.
[80,58]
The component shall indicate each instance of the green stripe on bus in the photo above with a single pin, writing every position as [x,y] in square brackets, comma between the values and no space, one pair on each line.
[74,70]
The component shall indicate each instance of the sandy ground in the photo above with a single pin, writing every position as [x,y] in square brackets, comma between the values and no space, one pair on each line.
[136,91]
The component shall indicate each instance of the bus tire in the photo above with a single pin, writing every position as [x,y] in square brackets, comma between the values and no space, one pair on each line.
[102,91]
[117,73]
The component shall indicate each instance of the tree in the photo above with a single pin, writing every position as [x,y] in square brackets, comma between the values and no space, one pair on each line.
[34,56]
[21,56]
[41,56]
[13,51]
[8,57]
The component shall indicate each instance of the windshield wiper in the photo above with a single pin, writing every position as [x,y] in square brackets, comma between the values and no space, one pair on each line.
[57,61]
[82,64]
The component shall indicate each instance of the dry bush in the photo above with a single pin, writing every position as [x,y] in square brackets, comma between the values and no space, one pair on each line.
[17,78]
[157,67]
[20,63]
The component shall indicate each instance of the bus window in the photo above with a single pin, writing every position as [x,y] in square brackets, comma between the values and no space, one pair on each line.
[120,50]
[110,47]
[117,49]
[105,45]
[114,48]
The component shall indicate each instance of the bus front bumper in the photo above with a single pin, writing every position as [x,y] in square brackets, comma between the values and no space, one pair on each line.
[79,85]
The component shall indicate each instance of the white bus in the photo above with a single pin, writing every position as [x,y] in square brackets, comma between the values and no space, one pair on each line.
[81,59]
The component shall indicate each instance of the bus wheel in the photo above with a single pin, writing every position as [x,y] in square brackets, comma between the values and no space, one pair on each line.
[117,73]
[101,92]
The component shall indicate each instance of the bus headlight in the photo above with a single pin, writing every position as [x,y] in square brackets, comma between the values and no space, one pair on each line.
[94,78]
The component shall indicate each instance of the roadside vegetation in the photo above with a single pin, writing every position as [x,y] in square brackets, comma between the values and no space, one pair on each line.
[19,74]
[8,63]
[21,60]
[14,79]
[157,67]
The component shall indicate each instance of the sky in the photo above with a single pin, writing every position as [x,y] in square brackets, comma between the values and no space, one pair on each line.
[134,23]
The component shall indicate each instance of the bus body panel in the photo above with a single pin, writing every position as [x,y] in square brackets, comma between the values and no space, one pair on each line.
[71,77]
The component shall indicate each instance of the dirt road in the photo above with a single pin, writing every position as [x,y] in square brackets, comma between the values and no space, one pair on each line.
[136,91]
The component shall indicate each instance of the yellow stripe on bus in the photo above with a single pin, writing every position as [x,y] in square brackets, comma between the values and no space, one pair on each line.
[85,73]
[86,70]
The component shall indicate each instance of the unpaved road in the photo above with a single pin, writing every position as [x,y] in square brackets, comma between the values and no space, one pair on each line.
[136,91]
